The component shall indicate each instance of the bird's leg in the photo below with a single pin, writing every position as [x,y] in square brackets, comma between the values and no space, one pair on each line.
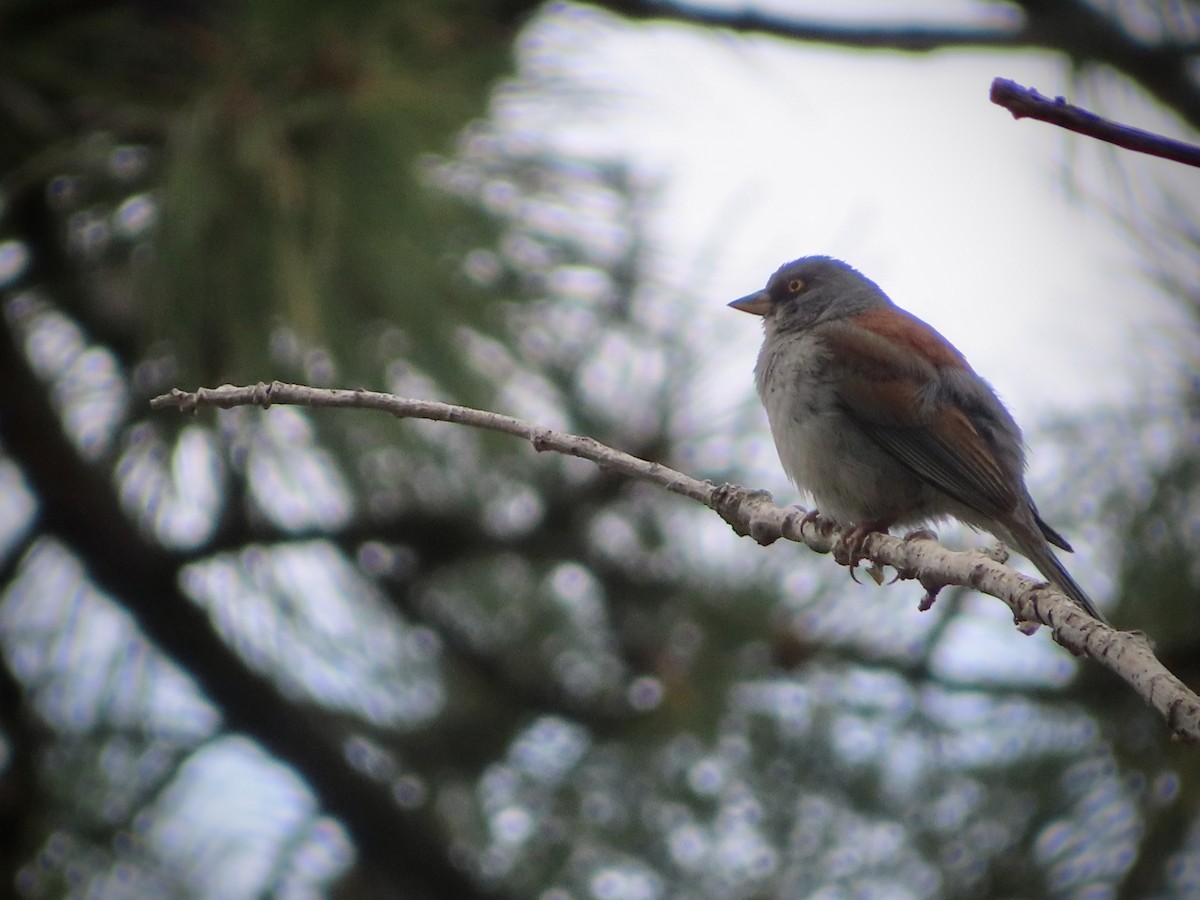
[849,548]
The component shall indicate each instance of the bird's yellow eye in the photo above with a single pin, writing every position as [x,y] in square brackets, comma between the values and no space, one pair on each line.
[795,286]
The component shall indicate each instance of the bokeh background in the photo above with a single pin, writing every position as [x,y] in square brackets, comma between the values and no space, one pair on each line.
[291,654]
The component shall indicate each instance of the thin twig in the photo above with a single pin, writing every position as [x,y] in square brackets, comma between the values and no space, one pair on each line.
[753,513]
[1025,102]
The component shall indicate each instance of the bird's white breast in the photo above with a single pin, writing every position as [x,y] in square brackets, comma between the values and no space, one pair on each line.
[822,450]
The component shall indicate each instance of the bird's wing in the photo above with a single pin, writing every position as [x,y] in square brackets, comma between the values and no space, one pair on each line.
[887,382]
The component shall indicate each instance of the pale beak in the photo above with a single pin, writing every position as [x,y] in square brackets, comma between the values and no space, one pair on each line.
[758,303]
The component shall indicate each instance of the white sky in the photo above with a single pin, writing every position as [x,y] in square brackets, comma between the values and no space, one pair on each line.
[766,150]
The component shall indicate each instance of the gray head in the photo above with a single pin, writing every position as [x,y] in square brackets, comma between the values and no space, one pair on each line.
[809,290]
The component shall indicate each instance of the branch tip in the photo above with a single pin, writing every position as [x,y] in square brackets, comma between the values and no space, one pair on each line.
[1025,102]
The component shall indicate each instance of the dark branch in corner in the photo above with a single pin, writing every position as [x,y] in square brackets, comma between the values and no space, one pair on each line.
[1086,34]
[1025,102]
[908,39]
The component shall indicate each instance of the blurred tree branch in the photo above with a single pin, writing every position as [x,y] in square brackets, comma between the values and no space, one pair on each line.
[1082,31]
[19,787]
[752,513]
[73,497]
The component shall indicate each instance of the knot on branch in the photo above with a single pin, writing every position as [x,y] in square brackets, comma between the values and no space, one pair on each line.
[262,393]
[750,513]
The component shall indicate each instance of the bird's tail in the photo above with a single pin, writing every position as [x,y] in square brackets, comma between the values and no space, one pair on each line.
[1054,571]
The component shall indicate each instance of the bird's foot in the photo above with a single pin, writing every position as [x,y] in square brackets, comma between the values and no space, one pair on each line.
[849,549]
[814,518]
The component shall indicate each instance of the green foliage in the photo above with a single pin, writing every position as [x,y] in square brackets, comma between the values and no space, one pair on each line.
[286,146]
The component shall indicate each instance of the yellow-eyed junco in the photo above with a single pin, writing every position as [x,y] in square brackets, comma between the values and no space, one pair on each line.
[883,421]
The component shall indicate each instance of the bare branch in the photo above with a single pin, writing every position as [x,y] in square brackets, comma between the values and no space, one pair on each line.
[1025,102]
[753,513]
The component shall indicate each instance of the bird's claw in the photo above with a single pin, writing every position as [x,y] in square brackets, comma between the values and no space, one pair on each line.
[850,549]
[813,517]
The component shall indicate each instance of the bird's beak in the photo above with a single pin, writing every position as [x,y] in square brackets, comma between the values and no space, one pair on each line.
[758,303]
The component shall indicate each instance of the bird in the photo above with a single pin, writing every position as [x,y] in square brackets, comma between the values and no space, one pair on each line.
[884,422]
